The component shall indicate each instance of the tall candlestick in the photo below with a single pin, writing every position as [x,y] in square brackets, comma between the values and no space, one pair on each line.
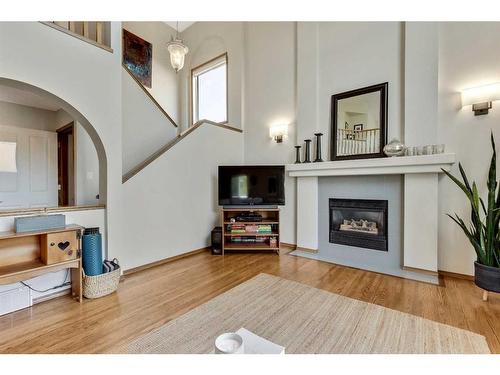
[307,157]
[318,147]
[297,154]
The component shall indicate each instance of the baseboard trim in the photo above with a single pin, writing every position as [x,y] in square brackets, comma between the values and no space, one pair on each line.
[456,275]
[419,270]
[286,248]
[307,250]
[441,273]
[163,261]
[52,296]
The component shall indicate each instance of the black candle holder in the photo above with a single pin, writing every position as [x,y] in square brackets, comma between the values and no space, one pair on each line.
[307,157]
[297,154]
[318,148]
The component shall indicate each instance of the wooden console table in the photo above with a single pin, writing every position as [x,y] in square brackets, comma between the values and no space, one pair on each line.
[30,254]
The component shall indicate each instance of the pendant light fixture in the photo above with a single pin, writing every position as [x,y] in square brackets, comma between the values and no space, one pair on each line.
[177,50]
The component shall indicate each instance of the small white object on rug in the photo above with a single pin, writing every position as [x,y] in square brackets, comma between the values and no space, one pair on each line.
[254,344]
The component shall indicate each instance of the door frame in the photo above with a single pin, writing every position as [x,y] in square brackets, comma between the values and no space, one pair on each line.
[68,128]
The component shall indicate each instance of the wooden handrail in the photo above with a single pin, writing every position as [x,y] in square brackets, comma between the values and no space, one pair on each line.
[127,176]
[150,96]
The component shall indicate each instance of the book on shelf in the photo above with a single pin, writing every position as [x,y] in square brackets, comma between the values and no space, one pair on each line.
[242,229]
[248,240]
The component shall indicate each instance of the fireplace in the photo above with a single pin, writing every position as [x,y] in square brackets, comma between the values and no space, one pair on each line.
[359,223]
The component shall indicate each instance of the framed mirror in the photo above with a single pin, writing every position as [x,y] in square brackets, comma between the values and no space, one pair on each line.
[359,123]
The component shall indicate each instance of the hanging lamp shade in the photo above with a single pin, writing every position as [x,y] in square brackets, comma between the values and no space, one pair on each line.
[8,157]
[178,51]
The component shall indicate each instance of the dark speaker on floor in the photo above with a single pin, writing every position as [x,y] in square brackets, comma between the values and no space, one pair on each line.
[217,241]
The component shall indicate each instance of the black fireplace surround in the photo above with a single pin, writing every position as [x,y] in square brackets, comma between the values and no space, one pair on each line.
[359,223]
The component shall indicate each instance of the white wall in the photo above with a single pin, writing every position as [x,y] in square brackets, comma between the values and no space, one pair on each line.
[421,56]
[164,79]
[26,117]
[145,128]
[207,40]
[171,206]
[270,100]
[87,168]
[353,55]
[468,57]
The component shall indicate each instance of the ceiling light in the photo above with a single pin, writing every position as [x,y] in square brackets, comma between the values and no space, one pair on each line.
[177,50]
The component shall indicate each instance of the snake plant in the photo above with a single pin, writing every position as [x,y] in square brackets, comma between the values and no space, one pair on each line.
[483,230]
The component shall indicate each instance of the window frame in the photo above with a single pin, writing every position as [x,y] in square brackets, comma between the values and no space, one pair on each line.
[200,69]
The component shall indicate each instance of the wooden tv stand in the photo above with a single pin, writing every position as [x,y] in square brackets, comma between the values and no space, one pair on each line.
[232,241]
[30,254]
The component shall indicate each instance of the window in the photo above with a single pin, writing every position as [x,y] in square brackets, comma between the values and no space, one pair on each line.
[209,91]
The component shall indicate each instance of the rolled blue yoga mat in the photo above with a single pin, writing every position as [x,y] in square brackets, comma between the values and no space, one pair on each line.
[92,252]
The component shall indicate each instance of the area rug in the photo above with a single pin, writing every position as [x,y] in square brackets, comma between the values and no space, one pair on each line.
[304,319]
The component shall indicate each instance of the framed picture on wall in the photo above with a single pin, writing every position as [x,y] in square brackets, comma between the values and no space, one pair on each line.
[138,57]
[358,127]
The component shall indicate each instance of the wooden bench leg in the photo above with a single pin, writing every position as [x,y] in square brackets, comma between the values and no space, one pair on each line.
[485,295]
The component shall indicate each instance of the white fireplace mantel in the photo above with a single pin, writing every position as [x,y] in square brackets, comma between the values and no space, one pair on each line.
[420,203]
[378,166]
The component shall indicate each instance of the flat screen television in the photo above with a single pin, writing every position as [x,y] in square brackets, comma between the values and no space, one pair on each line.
[246,185]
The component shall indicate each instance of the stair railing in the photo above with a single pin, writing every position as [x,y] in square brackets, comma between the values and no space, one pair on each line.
[127,176]
[93,32]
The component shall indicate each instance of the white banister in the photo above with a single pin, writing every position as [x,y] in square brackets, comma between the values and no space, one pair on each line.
[353,142]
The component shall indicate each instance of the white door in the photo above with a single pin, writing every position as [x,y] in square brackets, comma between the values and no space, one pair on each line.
[35,183]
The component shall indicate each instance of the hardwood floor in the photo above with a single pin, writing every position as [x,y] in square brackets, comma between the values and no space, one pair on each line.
[150,298]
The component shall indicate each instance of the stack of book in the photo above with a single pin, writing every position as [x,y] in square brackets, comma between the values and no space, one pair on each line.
[248,239]
[264,228]
[242,229]
[237,229]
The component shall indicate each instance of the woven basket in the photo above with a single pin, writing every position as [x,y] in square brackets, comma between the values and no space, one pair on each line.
[101,285]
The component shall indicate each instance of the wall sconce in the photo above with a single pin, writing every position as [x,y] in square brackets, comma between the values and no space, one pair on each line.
[481,97]
[8,157]
[278,132]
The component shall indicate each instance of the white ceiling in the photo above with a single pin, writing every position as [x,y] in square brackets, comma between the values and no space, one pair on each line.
[23,97]
[183,25]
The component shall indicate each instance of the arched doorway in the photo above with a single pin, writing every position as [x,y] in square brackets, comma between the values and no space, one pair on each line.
[77,116]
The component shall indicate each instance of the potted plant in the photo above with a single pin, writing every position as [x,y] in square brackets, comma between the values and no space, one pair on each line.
[483,230]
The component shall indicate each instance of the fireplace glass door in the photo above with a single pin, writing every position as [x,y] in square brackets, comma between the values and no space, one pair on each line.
[359,223]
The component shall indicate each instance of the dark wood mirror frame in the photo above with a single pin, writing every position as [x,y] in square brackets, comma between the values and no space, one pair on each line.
[383,89]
